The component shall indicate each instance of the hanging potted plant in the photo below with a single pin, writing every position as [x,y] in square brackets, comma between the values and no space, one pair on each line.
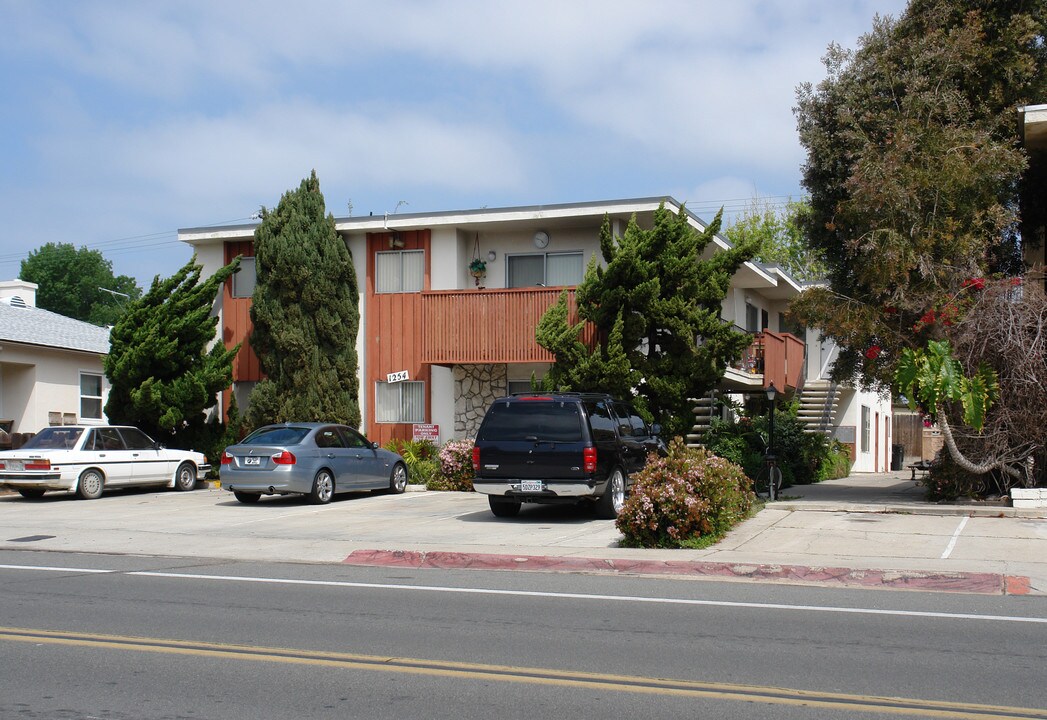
[477,268]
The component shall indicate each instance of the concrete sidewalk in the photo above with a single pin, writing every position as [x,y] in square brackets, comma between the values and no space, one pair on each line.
[861,531]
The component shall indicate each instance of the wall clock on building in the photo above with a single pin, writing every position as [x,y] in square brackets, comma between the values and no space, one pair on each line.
[541,239]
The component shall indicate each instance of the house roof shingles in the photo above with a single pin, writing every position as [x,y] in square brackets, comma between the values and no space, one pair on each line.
[36,326]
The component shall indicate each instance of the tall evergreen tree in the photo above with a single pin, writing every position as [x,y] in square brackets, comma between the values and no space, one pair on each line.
[305,313]
[162,376]
[656,308]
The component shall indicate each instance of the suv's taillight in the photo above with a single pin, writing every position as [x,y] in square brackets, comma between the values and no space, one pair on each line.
[284,458]
[589,459]
[227,459]
[476,459]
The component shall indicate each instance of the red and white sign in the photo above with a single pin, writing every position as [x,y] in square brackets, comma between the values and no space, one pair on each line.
[426,431]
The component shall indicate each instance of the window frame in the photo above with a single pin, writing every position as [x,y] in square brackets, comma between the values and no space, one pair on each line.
[866,427]
[100,397]
[400,276]
[245,262]
[545,266]
[400,420]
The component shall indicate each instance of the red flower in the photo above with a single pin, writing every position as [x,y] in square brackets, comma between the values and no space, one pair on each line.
[976,283]
[890,310]
[1016,281]
[928,317]
[873,352]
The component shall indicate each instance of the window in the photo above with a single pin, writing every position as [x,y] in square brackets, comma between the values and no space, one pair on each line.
[600,421]
[400,402]
[519,386]
[866,428]
[399,271]
[329,437]
[244,278]
[90,396]
[551,270]
[354,439]
[752,318]
[135,439]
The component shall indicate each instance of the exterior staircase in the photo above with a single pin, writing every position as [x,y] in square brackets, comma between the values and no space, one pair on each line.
[705,408]
[819,401]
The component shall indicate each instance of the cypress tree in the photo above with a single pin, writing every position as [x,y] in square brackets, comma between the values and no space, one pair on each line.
[305,313]
[162,376]
[656,308]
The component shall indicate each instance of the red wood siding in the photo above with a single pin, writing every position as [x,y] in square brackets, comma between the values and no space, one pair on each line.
[488,326]
[236,320]
[393,343]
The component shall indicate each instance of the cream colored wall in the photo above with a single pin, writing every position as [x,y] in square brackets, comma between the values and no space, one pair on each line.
[358,249]
[37,381]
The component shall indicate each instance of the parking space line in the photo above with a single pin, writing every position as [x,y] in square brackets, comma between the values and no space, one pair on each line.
[955,536]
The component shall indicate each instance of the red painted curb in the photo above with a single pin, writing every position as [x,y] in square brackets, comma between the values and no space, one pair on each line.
[980,583]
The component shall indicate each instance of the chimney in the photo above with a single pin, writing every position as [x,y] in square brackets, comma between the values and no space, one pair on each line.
[18,293]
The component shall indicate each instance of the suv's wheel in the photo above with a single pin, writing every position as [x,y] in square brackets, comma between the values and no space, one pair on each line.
[501,507]
[610,503]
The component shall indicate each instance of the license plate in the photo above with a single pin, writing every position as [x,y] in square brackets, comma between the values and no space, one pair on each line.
[252,461]
[531,486]
[15,465]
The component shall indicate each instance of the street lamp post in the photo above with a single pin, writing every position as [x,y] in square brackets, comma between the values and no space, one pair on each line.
[770,458]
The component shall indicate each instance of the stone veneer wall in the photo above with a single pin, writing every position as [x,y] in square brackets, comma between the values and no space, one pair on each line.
[475,388]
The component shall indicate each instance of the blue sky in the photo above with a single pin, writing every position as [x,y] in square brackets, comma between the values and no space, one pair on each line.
[124,121]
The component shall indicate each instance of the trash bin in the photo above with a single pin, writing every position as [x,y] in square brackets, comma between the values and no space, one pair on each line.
[897,457]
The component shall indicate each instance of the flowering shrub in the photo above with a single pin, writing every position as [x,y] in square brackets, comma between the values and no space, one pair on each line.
[456,467]
[686,495]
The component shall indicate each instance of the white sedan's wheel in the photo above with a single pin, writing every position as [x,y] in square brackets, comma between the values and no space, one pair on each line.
[185,477]
[91,485]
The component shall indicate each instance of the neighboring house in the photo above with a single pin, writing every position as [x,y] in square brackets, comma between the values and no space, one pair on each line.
[437,345]
[50,365]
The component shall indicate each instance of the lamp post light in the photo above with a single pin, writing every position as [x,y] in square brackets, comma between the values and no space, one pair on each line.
[771,459]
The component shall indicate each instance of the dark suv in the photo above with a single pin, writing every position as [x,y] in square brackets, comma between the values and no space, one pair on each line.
[560,448]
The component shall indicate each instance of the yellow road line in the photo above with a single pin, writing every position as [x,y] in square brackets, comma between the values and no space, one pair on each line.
[536,676]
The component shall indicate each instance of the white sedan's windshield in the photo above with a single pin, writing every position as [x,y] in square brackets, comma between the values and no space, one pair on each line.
[54,438]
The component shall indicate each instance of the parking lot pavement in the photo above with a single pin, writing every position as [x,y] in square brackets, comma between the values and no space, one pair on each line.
[788,541]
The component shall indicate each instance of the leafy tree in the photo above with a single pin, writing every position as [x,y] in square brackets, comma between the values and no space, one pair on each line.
[654,299]
[163,376]
[71,283]
[913,162]
[305,313]
[780,236]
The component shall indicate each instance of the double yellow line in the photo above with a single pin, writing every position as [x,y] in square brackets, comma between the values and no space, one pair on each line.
[535,676]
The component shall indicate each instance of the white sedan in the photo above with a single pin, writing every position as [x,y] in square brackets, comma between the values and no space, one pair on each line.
[87,460]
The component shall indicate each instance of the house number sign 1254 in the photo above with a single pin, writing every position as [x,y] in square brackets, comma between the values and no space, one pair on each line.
[397,376]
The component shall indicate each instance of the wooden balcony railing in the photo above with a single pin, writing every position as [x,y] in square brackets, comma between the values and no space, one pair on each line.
[774,358]
[465,327]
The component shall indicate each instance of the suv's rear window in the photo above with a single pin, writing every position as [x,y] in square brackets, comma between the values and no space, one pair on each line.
[521,420]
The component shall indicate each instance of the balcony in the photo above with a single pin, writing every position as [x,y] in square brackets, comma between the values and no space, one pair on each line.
[480,327]
[771,358]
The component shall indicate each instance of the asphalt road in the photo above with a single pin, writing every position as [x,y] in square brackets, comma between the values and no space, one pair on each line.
[122,637]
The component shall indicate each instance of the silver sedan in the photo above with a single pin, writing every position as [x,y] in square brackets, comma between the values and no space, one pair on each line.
[309,458]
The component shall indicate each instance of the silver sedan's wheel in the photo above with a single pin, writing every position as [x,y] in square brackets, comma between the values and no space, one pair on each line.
[91,485]
[398,480]
[611,502]
[323,488]
[185,477]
